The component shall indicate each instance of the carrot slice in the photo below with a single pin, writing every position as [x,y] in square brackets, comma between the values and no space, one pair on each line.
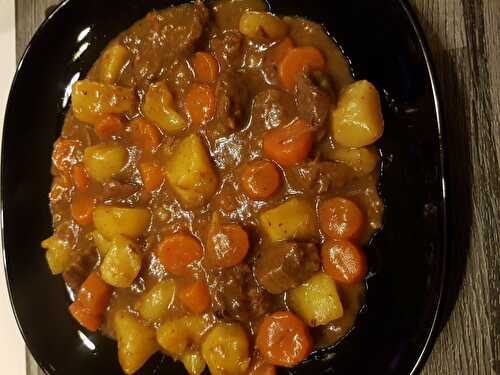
[261,367]
[261,179]
[205,67]
[277,53]
[289,145]
[200,103]
[91,302]
[341,218]
[108,126]
[145,135]
[81,177]
[283,339]
[82,207]
[152,175]
[227,245]
[196,297]
[343,261]
[297,60]
[178,251]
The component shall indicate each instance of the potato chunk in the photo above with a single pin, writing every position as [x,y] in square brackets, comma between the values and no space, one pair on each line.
[363,160]
[102,244]
[92,100]
[158,108]
[262,25]
[122,263]
[136,341]
[293,220]
[130,222]
[103,162]
[226,349]
[58,254]
[112,63]
[155,303]
[190,172]
[357,121]
[176,336]
[194,363]
[317,300]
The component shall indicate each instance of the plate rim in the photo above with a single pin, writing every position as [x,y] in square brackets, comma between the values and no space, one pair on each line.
[435,328]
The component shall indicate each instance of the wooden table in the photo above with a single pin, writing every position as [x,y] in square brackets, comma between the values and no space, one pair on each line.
[464,36]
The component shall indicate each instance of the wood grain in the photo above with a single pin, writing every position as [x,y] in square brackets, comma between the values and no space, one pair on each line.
[464,36]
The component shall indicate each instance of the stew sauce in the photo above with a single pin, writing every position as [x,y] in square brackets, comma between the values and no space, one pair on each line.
[214,184]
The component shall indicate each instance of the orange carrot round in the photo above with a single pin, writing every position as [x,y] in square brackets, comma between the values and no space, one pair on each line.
[178,252]
[289,145]
[200,103]
[343,261]
[196,297]
[283,339]
[261,179]
[227,245]
[81,177]
[298,60]
[145,135]
[341,218]
[205,67]
[82,207]
[277,53]
[152,176]
[108,126]
[260,367]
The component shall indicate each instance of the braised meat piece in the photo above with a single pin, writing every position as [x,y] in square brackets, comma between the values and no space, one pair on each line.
[312,102]
[236,295]
[318,177]
[286,265]
[162,37]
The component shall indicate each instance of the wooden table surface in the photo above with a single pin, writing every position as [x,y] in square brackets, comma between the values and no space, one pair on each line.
[464,36]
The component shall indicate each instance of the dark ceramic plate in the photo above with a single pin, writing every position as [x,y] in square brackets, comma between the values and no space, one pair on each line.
[396,330]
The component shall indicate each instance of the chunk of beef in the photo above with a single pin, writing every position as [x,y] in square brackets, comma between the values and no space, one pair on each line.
[227,49]
[232,100]
[162,37]
[286,265]
[236,295]
[317,177]
[272,108]
[312,102]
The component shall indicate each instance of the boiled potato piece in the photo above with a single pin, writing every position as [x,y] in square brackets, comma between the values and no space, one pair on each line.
[58,254]
[262,25]
[176,336]
[190,172]
[357,121]
[112,63]
[363,160]
[130,222]
[226,350]
[103,162]
[155,303]
[122,263]
[317,300]
[194,363]
[158,108]
[293,220]
[136,341]
[92,100]
[102,244]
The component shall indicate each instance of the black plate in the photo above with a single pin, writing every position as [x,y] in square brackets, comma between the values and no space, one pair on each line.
[395,332]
